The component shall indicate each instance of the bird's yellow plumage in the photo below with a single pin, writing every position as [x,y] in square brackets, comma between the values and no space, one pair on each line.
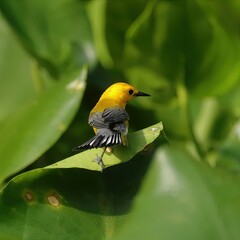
[116,95]
[109,118]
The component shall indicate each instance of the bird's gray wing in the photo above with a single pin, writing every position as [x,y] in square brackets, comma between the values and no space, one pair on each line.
[96,120]
[109,125]
[104,138]
[108,117]
[115,115]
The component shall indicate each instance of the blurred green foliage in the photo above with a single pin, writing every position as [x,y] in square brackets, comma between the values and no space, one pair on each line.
[185,54]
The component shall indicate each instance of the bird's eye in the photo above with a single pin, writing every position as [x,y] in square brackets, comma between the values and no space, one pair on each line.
[130,92]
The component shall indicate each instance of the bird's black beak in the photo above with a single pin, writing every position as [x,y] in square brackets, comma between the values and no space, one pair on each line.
[141,94]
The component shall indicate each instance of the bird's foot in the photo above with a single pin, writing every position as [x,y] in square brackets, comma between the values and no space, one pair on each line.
[99,161]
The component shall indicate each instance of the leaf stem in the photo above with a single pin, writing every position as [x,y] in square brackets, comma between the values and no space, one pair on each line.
[185,105]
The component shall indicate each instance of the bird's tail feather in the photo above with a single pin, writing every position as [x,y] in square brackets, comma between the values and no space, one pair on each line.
[104,138]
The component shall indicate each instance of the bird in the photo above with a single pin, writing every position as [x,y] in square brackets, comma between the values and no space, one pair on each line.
[109,119]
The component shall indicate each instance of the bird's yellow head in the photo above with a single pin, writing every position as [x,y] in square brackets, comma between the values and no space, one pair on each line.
[120,93]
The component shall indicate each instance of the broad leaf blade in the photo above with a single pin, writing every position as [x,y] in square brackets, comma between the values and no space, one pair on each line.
[41,204]
[57,33]
[181,194]
[33,129]
[13,57]
[70,203]
[136,142]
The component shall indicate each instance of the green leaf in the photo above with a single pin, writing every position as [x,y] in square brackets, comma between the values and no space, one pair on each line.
[41,204]
[136,143]
[184,199]
[57,33]
[227,155]
[74,203]
[13,57]
[35,127]
[110,21]
[187,43]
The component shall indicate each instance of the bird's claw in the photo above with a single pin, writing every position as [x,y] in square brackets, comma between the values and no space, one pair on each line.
[99,161]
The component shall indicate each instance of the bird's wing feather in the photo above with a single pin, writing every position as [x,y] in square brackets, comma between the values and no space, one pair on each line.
[110,125]
[108,116]
[115,115]
[104,138]
[96,120]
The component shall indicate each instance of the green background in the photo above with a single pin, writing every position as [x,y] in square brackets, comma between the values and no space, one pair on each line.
[57,57]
